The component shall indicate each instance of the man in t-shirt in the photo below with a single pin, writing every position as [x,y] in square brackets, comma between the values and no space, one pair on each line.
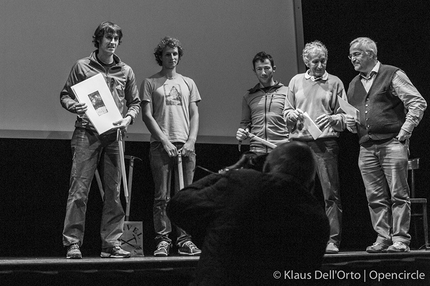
[170,112]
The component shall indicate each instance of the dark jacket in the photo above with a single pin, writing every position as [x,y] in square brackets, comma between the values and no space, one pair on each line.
[120,79]
[262,110]
[253,224]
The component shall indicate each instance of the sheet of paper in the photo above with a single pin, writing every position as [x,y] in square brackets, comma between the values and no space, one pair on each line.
[102,109]
[349,109]
[310,125]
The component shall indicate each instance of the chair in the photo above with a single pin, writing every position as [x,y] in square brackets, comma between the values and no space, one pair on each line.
[414,164]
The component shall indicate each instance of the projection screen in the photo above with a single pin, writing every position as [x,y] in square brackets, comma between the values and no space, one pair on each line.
[42,39]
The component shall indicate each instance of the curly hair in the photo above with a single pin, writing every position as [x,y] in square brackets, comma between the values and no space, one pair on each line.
[310,47]
[106,27]
[167,42]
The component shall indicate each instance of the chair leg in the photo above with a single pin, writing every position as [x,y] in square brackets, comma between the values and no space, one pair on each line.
[426,226]
[416,221]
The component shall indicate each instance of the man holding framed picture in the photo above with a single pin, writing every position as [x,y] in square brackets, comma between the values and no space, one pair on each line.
[92,150]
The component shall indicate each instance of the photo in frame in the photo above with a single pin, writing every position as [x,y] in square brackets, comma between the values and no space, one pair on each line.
[102,110]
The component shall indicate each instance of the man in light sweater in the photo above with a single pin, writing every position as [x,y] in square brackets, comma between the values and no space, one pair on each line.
[317,93]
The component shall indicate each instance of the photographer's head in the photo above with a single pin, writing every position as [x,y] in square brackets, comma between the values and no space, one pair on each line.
[295,159]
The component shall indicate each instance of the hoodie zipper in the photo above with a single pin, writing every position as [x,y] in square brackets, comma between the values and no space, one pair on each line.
[266,110]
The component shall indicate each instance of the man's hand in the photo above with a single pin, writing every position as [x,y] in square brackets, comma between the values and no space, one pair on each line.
[80,108]
[403,135]
[242,134]
[295,116]
[323,121]
[170,149]
[188,148]
[351,124]
[123,123]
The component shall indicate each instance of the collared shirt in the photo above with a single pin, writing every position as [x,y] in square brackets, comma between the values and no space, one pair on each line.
[367,81]
[313,78]
[315,97]
[402,87]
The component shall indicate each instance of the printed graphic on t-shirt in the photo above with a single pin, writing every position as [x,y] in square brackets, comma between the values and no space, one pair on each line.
[173,94]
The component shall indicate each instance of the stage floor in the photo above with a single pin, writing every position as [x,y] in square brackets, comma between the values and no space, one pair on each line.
[344,268]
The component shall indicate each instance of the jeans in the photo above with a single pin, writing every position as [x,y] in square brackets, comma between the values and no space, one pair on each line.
[89,151]
[162,167]
[384,169]
[325,153]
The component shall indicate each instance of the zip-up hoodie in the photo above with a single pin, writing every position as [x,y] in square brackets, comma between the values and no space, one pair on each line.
[120,79]
[262,110]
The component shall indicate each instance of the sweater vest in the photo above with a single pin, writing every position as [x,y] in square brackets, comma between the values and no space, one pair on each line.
[382,114]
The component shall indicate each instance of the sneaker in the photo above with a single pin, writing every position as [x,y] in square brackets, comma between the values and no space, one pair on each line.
[331,248]
[377,248]
[114,252]
[73,251]
[398,247]
[163,249]
[189,248]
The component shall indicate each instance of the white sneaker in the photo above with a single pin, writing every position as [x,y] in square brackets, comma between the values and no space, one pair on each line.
[398,246]
[331,248]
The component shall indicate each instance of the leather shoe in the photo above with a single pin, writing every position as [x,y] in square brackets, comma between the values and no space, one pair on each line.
[377,248]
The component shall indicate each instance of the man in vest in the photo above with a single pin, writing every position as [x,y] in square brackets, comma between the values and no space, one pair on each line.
[390,107]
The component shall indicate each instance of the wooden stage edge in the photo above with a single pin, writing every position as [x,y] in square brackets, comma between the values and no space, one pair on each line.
[344,268]
[148,262]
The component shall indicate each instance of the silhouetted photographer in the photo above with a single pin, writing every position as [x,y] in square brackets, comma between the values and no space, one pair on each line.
[255,223]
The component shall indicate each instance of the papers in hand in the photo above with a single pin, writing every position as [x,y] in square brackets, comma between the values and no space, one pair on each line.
[310,125]
[349,109]
[102,110]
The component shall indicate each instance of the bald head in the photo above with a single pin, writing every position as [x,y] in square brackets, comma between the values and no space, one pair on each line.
[293,158]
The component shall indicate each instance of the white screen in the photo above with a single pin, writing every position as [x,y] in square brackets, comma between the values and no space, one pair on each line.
[42,40]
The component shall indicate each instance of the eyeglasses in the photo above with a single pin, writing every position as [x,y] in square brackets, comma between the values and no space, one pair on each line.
[355,55]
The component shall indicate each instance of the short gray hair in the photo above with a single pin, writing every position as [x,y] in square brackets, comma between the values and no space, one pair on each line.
[368,45]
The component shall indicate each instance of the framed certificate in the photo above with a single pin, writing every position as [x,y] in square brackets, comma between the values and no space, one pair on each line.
[102,109]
